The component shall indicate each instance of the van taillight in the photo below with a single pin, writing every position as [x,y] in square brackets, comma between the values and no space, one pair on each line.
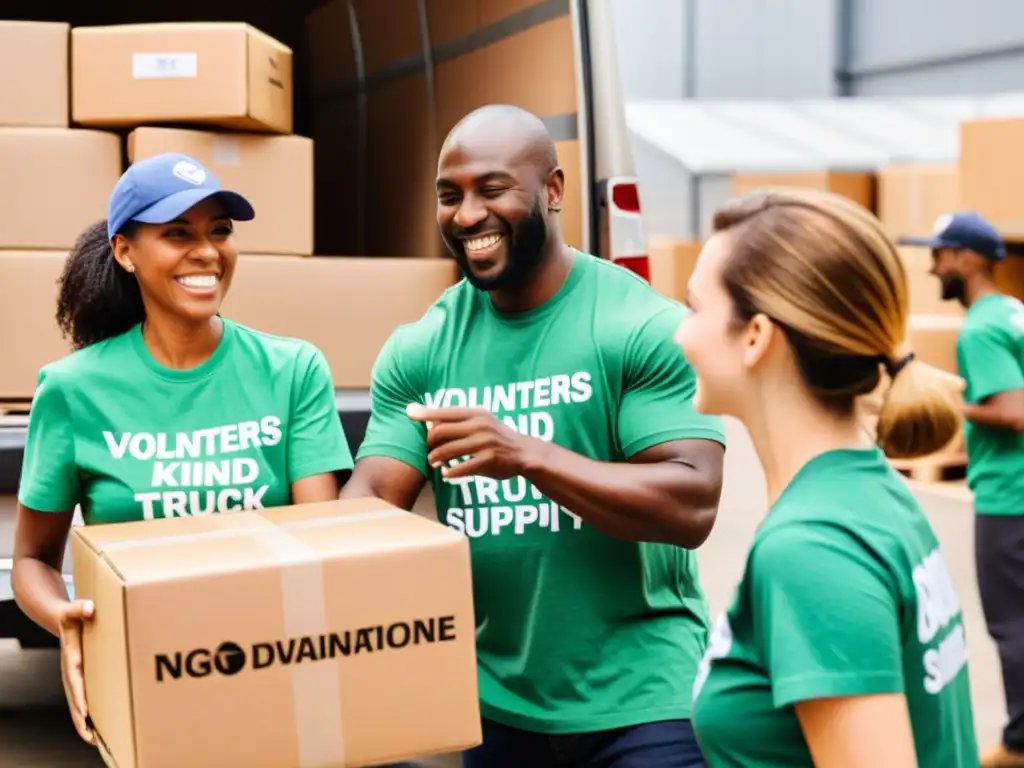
[626,198]
[639,264]
[628,246]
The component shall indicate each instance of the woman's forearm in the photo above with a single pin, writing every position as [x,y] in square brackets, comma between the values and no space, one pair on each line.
[40,592]
[858,731]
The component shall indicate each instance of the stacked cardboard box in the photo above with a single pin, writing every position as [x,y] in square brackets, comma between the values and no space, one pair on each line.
[859,187]
[222,93]
[58,179]
[911,199]
[672,261]
[219,92]
[991,176]
[139,76]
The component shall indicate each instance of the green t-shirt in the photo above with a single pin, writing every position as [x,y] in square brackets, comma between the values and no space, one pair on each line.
[129,439]
[990,358]
[576,631]
[846,592]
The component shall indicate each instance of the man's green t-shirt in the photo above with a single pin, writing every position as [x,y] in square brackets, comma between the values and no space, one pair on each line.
[846,592]
[129,439]
[576,631]
[990,359]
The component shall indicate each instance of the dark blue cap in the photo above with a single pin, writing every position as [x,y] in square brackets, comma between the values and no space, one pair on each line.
[963,230]
[162,187]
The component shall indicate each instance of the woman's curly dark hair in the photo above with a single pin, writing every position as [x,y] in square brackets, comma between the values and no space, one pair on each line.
[98,299]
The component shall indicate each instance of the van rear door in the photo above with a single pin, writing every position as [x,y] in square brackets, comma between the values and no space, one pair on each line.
[390,78]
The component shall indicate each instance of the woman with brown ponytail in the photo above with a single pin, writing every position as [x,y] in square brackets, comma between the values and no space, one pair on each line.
[844,646]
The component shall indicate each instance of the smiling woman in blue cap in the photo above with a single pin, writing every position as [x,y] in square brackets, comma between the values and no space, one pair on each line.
[165,408]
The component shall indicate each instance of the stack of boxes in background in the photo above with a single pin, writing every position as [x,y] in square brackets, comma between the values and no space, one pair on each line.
[56,182]
[908,199]
[223,94]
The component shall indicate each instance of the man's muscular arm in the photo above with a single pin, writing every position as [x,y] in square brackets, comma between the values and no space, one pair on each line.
[667,493]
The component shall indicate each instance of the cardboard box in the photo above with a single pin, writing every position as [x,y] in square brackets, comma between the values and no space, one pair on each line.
[991,171]
[859,187]
[224,74]
[34,60]
[911,197]
[274,172]
[331,634]
[672,261]
[29,336]
[64,177]
[345,306]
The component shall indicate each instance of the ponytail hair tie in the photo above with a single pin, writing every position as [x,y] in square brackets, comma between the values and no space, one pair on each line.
[893,368]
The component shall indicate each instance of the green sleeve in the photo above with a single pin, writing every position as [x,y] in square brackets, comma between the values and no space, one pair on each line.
[658,389]
[49,472]
[316,439]
[826,616]
[395,382]
[987,364]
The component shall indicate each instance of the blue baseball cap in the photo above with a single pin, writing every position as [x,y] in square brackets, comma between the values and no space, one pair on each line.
[965,229]
[162,187]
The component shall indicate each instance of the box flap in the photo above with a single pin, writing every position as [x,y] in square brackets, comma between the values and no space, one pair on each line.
[161,28]
[179,548]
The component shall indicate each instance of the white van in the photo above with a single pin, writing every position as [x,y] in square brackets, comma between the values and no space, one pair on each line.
[378,85]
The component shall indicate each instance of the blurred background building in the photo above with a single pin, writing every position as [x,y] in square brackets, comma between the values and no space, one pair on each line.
[716,88]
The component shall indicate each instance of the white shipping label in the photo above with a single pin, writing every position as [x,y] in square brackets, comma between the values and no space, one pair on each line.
[226,150]
[151,66]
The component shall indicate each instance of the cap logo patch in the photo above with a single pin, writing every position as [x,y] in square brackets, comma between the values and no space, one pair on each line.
[189,172]
[942,222]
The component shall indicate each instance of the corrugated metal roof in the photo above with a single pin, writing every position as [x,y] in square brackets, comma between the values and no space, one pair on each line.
[848,134]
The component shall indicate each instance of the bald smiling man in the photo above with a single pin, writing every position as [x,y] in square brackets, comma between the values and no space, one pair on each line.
[546,403]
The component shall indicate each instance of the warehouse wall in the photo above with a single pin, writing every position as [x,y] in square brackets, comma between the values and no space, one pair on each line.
[935,47]
[765,48]
[671,49]
[653,57]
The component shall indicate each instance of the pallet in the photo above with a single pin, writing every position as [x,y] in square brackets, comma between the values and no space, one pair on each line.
[940,467]
[15,407]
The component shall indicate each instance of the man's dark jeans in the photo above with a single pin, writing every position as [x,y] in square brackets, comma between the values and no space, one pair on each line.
[999,559]
[669,744]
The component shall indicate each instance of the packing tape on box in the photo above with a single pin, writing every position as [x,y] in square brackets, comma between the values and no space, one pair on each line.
[255,522]
[317,709]
[317,712]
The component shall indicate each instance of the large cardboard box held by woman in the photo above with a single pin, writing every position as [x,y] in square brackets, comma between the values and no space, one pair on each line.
[331,634]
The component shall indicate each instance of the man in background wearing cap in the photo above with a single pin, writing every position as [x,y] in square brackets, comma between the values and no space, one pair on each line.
[990,357]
